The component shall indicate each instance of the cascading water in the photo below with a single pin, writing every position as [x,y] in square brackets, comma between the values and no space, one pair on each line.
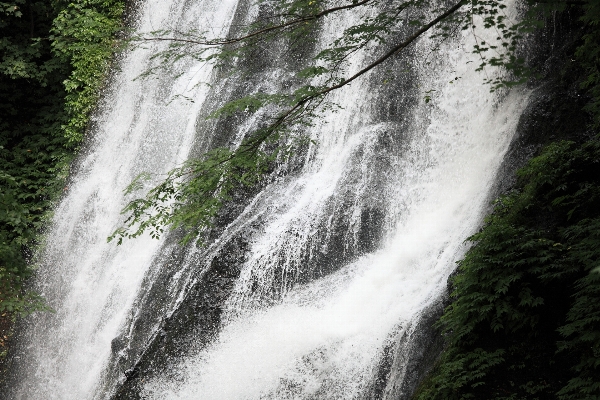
[340,255]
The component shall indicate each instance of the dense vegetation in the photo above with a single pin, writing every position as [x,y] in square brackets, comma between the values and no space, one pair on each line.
[53,59]
[525,319]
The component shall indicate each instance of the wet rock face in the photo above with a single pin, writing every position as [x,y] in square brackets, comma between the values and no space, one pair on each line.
[555,109]
[410,357]
[555,112]
[192,324]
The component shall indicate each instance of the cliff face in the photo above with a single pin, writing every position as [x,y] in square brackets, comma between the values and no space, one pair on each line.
[181,303]
[144,353]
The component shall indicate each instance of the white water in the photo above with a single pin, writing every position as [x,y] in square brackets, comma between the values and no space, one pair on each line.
[91,283]
[324,339]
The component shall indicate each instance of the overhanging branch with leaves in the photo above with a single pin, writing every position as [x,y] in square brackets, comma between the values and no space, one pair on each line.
[191,195]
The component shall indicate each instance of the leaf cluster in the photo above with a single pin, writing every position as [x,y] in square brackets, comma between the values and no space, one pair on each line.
[83,35]
[193,194]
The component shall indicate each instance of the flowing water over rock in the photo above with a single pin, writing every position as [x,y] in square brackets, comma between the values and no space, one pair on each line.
[314,284]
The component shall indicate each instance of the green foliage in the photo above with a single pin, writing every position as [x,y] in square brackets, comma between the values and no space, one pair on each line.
[54,58]
[83,35]
[31,147]
[192,195]
[389,26]
[510,331]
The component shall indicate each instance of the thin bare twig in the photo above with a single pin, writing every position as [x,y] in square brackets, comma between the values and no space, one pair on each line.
[260,32]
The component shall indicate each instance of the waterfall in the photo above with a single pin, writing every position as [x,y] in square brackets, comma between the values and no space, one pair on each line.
[325,266]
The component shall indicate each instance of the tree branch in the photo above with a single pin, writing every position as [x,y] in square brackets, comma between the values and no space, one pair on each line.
[252,145]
